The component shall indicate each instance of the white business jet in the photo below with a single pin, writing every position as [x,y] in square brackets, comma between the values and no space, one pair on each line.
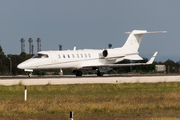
[92,59]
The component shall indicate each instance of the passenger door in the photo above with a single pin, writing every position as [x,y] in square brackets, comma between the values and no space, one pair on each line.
[54,57]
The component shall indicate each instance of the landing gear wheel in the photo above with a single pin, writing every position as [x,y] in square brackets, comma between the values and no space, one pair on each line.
[78,73]
[99,73]
[30,75]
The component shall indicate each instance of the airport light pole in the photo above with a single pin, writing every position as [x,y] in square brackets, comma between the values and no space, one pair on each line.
[10,65]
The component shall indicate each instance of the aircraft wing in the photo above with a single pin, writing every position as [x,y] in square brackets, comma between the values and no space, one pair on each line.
[131,64]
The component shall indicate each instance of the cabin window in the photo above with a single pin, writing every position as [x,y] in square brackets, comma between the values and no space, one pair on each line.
[59,56]
[40,56]
[73,56]
[85,55]
[77,55]
[81,55]
[64,56]
[68,56]
[89,55]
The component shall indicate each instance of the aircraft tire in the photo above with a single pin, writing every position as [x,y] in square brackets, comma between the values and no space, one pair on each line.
[99,74]
[30,75]
[78,73]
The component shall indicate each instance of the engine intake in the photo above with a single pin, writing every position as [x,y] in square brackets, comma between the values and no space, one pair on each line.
[105,53]
[111,54]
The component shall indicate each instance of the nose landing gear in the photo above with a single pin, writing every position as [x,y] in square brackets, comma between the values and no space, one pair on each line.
[30,74]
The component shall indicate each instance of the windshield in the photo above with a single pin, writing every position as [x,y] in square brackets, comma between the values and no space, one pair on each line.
[40,56]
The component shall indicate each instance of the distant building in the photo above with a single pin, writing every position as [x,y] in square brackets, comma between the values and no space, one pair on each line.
[30,46]
[160,68]
[22,45]
[38,44]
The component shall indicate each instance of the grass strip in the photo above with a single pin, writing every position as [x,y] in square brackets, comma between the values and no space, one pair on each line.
[156,100]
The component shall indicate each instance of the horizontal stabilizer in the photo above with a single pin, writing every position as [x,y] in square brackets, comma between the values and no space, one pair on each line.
[136,32]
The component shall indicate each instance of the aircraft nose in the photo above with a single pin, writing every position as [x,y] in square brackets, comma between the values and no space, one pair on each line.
[20,66]
[23,65]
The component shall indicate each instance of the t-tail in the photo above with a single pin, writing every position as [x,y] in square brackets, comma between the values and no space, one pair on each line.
[133,42]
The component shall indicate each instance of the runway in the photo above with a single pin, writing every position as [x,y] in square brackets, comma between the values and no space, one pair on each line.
[8,81]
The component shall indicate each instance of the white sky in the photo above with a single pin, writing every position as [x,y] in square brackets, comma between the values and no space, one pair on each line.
[90,24]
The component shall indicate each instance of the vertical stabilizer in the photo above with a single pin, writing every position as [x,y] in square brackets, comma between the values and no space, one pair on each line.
[133,42]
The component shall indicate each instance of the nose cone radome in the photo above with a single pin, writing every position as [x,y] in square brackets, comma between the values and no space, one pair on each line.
[21,66]
[24,65]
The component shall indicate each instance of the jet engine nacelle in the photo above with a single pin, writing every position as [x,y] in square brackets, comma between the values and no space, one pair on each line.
[111,54]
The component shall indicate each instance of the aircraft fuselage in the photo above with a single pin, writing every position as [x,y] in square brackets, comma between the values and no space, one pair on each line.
[74,59]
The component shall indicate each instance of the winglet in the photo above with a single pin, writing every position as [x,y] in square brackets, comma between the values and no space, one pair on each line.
[152,58]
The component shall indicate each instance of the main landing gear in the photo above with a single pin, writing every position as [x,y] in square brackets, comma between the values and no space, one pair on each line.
[99,73]
[78,72]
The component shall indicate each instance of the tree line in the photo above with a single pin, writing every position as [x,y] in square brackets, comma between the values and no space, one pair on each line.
[8,66]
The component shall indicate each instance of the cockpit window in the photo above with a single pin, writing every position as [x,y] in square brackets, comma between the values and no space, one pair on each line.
[40,56]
